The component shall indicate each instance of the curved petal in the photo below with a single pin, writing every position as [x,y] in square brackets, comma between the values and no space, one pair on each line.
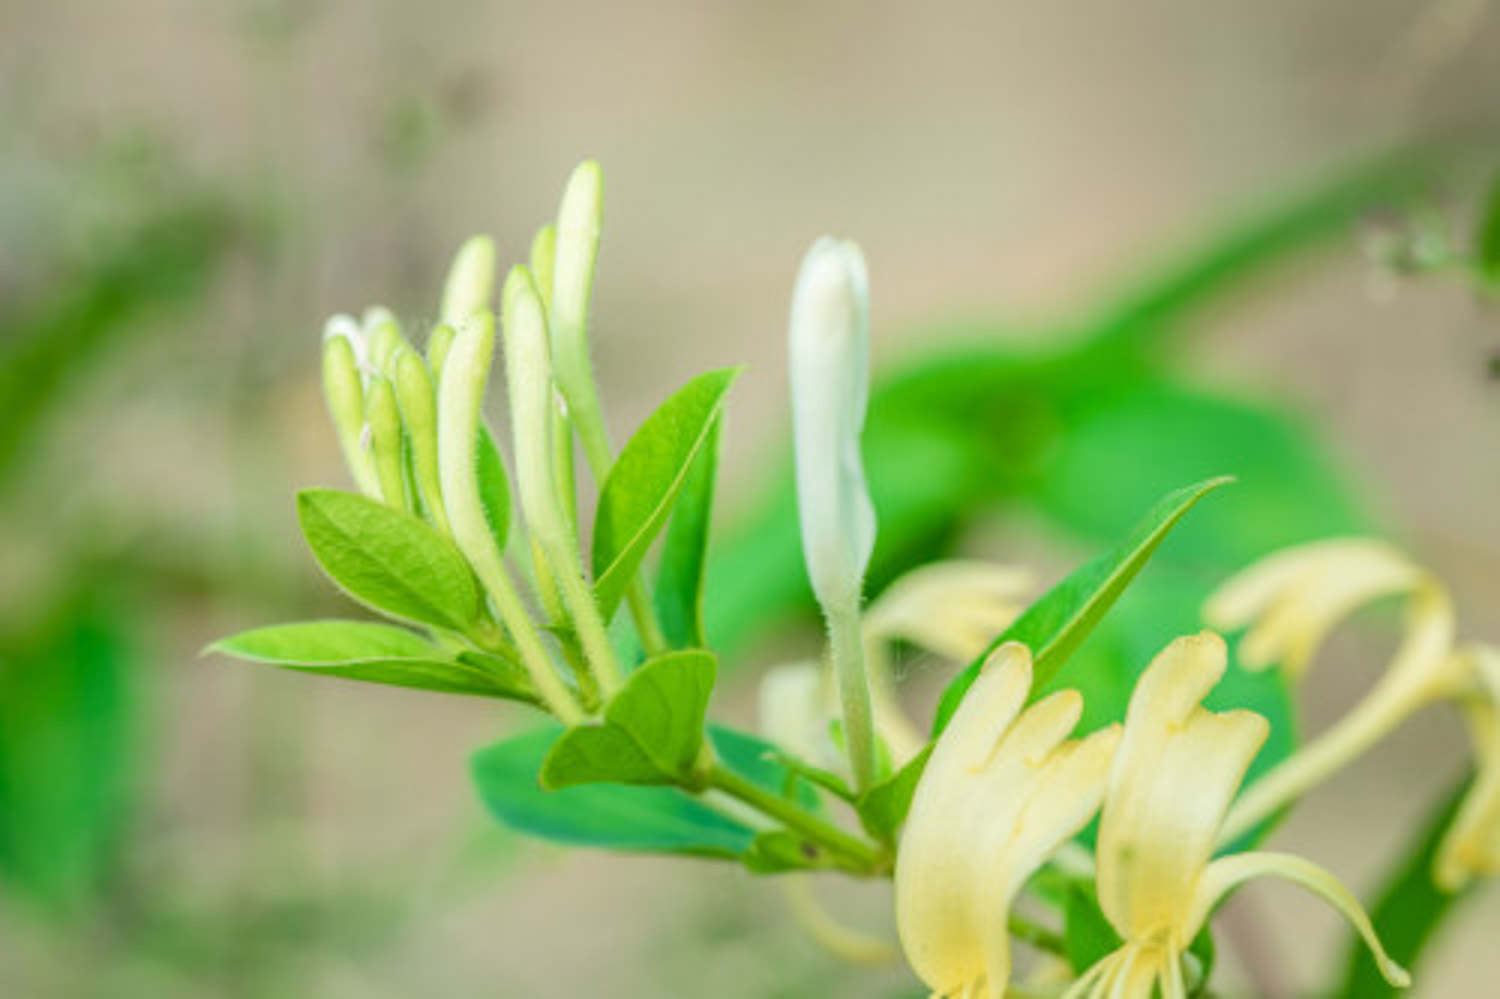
[953,608]
[1471,846]
[1002,790]
[1174,775]
[1418,674]
[1225,874]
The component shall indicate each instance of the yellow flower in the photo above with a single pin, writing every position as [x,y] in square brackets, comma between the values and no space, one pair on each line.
[1002,790]
[1291,601]
[1173,777]
[1471,846]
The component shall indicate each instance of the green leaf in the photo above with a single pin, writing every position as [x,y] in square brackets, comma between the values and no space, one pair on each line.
[679,578]
[1057,623]
[1487,240]
[1087,935]
[1153,436]
[1411,908]
[388,559]
[646,479]
[610,816]
[494,486]
[378,653]
[883,807]
[652,731]
[624,816]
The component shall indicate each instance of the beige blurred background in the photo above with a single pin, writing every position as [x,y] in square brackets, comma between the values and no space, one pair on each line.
[1004,160]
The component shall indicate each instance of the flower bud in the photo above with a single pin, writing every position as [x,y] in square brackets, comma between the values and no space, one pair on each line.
[829,351]
[385,441]
[343,389]
[471,280]
[419,413]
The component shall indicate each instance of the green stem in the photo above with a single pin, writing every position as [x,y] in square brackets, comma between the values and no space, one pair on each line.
[865,855]
[847,648]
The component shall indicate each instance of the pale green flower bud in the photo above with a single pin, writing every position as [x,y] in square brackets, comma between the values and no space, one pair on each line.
[343,389]
[419,413]
[471,280]
[576,250]
[383,336]
[438,345]
[543,255]
[384,416]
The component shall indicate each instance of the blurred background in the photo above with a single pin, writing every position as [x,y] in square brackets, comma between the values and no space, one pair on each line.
[188,189]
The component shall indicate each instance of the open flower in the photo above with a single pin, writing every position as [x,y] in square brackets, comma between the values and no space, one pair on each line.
[1290,601]
[1002,790]
[1173,777]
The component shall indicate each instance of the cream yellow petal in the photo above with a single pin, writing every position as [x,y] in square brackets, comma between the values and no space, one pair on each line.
[1173,777]
[1419,673]
[1225,874]
[1002,789]
[954,608]
[1471,846]
[1293,599]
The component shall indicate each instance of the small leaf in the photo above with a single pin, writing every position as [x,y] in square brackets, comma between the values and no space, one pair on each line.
[494,486]
[883,807]
[314,642]
[679,578]
[652,730]
[378,653]
[598,754]
[388,559]
[611,816]
[1057,623]
[646,479]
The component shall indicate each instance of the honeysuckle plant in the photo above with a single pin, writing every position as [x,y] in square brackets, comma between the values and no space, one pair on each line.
[493,586]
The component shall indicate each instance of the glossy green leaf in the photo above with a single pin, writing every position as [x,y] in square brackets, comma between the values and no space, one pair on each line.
[652,730]
[625,816]
[1056,624]
[610,816]
[388,559]
[1410,910]
[679,577]
[377,653]
[882,809]
[644,483]
[1148,438]
[494,486]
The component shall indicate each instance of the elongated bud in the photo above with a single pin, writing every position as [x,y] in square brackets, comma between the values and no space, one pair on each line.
[438,345]
[382,336]
[543,254]
[471,280]
[419,413]
[385,441]
[343,388]
[460,396]
[829,348]
[528,372]
[576,250]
